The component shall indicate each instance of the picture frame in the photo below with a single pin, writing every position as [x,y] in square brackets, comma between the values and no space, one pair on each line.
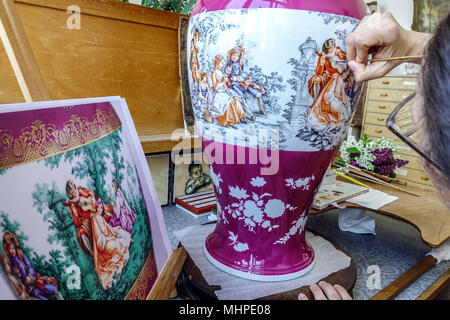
[182,175]
[160,168]
[86,220]
[186,99]
[428,14]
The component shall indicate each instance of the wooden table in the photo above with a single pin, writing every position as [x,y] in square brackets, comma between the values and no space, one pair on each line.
[426,212]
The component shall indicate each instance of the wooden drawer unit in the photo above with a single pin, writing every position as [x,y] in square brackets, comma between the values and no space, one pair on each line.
[388,95]
[414,160]
[417,176]
[380,107]
[383,96]
[377,119]
[395,83]
[379,131]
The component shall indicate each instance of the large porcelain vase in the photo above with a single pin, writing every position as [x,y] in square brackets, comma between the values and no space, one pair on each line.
[273,99]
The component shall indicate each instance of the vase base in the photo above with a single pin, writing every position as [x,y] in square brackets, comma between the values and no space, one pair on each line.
[258,277]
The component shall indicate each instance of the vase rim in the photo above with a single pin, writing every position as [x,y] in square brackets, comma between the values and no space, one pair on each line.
[350,8]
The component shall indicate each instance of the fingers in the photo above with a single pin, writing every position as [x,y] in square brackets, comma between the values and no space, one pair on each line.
[317,292]
[329,290]
[376,30]
[365,72]
[325,291]
[342,292]
[302,296]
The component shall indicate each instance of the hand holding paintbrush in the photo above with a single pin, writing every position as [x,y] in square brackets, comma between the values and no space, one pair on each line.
[390,44]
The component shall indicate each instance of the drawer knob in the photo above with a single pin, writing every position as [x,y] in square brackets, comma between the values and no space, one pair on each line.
[425,178]
[379,131]
[380,119]
[386,82]
[381,107]
[383,94]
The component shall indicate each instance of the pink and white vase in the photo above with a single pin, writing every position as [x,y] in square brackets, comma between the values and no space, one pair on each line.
[273,99]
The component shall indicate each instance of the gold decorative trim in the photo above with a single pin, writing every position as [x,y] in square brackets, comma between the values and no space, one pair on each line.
[145,281]
[42,140]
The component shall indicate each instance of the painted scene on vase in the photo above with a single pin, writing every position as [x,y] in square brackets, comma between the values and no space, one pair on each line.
[298,84]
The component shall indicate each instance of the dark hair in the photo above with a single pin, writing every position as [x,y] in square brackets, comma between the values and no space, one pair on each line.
[194,165]
[435,90]
[328,44]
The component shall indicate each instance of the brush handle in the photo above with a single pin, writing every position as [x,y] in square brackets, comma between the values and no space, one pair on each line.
[396,58]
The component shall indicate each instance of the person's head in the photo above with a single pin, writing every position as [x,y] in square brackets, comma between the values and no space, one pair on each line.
[195,170]
[329,45]
[10,244]
[203,77]
[431,108]
[196,35]
[236,53]
[70,190]
[218,63]
[115,185]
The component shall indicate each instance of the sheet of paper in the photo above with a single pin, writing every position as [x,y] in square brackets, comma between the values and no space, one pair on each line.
[374,199]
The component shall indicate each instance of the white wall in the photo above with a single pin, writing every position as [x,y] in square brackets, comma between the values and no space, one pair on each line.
[402,10]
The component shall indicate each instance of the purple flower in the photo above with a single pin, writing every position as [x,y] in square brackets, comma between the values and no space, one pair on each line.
[385,164]
[354,163]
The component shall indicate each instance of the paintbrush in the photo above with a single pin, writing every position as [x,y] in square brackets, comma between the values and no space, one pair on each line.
[377,176]
[373,179]
[403,58]
[357,172]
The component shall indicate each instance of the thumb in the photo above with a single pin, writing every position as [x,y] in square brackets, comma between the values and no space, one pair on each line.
[358,70]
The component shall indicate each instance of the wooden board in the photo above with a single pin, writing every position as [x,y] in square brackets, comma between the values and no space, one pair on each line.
[121,49]
[436,288]
[345,278]
[168,277]
[427,213]
[406,279]
[20,55]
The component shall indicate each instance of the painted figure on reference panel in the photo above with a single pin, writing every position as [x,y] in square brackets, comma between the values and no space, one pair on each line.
[123,215]
[36,286]
[111,249]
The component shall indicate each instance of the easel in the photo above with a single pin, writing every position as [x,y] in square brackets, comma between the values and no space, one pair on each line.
[33,88]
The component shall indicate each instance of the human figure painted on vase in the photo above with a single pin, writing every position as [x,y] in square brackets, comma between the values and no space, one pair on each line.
[203,96]
[222,103]
[240,81]
[26,281]
[123,215]
[331,107]
[194,58]
[108,245]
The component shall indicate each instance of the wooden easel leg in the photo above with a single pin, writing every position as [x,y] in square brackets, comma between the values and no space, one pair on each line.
[396,287]
[20,54]
[436,288]
[167,279]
